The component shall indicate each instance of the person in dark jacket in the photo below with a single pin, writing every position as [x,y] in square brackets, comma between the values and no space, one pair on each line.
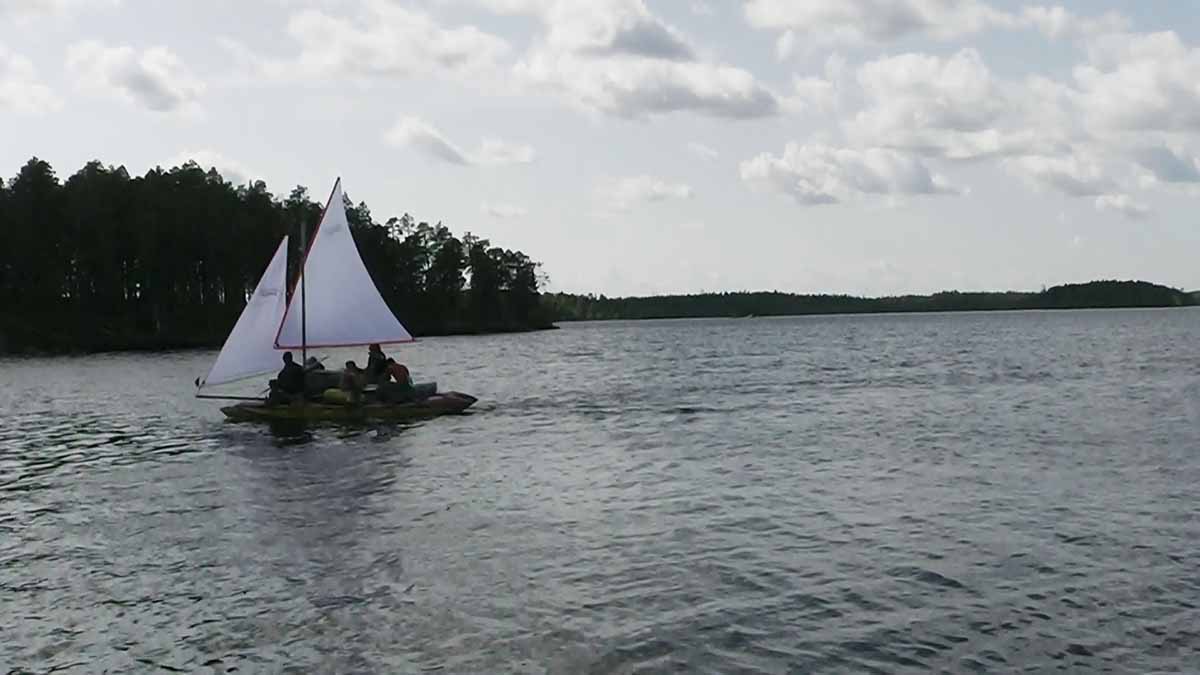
[376,364]
[289,383]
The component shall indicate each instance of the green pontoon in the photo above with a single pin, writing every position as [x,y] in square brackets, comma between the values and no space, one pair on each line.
[438,404]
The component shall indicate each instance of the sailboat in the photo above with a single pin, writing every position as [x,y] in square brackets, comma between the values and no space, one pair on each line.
[337,305]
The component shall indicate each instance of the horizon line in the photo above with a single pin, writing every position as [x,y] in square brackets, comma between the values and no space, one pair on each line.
[869,297]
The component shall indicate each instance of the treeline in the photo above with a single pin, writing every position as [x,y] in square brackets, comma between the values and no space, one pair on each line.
[105,260]
[1097,294]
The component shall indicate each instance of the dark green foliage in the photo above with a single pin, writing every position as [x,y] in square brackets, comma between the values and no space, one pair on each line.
[1113,294]
[1097,294]
[108,261]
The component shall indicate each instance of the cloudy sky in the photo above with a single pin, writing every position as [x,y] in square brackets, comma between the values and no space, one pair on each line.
[649,146]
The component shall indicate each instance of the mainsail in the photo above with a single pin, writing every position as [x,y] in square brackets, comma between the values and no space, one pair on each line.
[249,350]
[339,305]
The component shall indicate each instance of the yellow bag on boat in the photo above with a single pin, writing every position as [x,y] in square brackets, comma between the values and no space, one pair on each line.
[334,395]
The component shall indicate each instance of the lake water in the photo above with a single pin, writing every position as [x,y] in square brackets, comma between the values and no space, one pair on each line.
[972,492]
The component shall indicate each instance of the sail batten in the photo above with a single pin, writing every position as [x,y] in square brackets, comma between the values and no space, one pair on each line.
[249,350]
[342,306]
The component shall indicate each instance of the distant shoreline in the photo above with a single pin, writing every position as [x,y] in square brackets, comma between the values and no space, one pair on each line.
[24,336]
[1091,295]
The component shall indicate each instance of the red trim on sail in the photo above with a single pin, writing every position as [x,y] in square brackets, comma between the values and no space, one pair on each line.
[303,263]
[349,344]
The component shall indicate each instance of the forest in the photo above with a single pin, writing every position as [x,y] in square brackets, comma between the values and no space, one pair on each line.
[1096,294]
[109,261]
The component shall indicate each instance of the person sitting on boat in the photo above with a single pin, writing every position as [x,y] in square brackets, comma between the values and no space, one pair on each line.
[289,383]
[376,364]
[353,380]
[397,383]
[398,372]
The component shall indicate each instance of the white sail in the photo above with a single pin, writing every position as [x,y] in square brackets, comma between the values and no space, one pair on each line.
[249,350]
[341,304]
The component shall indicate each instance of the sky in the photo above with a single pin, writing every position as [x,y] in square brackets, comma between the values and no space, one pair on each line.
[663,146]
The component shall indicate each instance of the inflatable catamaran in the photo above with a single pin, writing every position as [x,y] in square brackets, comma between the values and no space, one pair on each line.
[336,305]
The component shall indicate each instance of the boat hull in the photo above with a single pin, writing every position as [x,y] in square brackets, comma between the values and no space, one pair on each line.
[448,403]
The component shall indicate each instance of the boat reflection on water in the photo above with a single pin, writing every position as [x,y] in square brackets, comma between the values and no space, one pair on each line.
[287,433]
[323,531]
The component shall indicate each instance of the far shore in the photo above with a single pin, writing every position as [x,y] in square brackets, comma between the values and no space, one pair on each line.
[1105,294]
[882,312]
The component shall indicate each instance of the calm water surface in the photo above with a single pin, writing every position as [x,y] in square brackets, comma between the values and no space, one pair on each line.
[955,493]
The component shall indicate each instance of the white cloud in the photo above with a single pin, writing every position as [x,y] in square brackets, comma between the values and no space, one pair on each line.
[812,92]
[1058,22]
[953,107]
[515,6]
[817,23]
[955,93]
[231,170]
[1130,88]
[820,174]
[624,193]
[612,27]
[153,79]
[638,87]
[1147,82]
[836,88]
[1168,166]
[1054,22]
[602,27]
[504,210]
[702,150]
[785,45]
[1132,91]
[1072,175]
[822,22]
[494,151]
[382,39]
[1122,204]
[616,57]
[417,133]
[22,11]
[20,89]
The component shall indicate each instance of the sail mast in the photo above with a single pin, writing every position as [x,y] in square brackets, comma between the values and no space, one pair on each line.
[303,261]
[303,318]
